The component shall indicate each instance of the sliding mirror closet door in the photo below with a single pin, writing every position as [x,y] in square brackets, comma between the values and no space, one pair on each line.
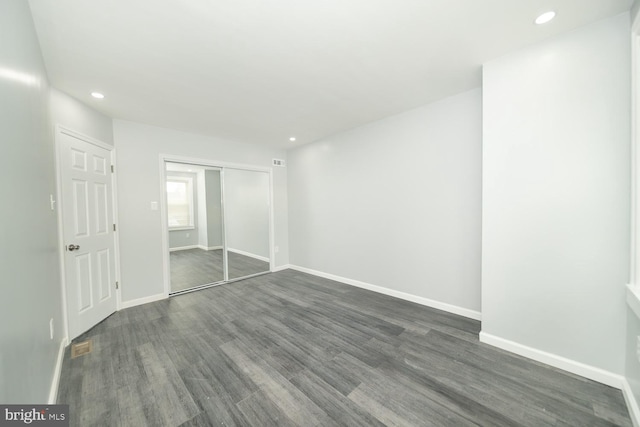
[246,213]
[194,215]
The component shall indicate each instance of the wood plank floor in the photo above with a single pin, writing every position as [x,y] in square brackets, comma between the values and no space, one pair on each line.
[290,349]
[196,267]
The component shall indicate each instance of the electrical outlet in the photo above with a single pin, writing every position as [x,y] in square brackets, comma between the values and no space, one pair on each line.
[188,234]
[276,249]
[51,328]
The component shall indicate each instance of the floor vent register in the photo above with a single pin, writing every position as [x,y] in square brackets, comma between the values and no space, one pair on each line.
[80,349]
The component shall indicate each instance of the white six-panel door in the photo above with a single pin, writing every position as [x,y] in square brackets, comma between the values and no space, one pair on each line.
[88,234]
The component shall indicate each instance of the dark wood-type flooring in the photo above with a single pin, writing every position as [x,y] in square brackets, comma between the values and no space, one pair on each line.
[196,267]
[290,349]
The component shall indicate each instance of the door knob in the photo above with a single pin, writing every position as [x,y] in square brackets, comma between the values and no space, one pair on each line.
[73,247]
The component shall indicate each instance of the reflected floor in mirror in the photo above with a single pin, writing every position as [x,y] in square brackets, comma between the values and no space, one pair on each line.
[242,266]
[196,267]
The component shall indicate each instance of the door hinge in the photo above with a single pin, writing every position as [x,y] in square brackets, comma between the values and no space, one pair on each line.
[112,169]
[114,227]
[117,285]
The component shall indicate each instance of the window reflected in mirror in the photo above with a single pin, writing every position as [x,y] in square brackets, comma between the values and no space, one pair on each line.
[218,221]
[194,219]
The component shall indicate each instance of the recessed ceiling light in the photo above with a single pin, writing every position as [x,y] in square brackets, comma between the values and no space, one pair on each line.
[292,139]
[545,17]
[97,95]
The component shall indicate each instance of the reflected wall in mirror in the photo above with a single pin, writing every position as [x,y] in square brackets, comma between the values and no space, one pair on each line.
[246,212]
[195,224]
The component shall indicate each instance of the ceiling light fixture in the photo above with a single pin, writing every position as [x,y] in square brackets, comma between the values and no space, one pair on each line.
[292,139]
[97,95]
[545,17]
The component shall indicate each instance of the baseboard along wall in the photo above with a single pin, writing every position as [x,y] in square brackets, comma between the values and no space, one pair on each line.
[632,404]
[578,368]
[183,248]
[140,301]
[586,371]
[461,311]
[249,254]
[281,268]
[590,372]
[57,370]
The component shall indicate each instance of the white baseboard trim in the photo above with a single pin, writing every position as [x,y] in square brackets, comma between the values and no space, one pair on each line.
[587,371]
[465,312]
[140,301]
[281,268]
[203,247]
[55,382]
[249,254]
[632,404]
[209,248]
[183,248]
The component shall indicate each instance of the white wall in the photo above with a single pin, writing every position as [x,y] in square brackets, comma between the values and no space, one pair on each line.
[556,191]
[395,203]
[31,290]
[246,211]
[138,149]
[71,113]
[632,365]
[214,208]
[183,238]
[201,191]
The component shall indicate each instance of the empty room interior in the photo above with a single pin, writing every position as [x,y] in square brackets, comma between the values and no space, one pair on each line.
[353,212]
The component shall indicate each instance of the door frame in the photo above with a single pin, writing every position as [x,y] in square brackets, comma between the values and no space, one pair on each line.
[163,158]
[59,131]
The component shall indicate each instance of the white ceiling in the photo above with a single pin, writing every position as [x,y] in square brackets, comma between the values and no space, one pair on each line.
[261,71]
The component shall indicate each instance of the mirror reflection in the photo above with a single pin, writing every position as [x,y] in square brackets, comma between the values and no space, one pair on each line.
[246,198]
[218,224]
[194,216]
